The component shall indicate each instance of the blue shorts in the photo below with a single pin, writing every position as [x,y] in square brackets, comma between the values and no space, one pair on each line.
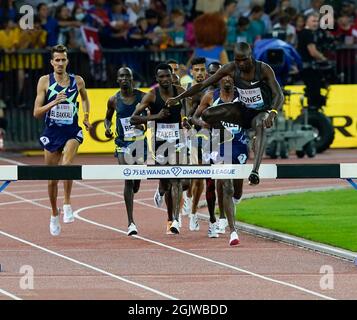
[54,138]
[239,154]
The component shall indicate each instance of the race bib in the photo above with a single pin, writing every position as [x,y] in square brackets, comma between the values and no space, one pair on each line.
[62,113]
[168,131]
[252,98]
[129,130]
[231,127]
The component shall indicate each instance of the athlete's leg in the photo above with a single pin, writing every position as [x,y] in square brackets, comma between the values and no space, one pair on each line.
[53,158]
[176,193]
[220,199]
[260,141]
[238,188]
[130,187]
[229,112]
[69,153]
[227,187]
[211,198]
[197,189]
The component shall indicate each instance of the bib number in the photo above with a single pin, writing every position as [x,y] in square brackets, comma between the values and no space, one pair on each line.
[252,98]
[232,128]
[167,131]
[129,130]
[62,114]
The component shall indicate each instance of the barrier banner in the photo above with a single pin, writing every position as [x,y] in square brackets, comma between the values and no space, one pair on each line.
[341,108]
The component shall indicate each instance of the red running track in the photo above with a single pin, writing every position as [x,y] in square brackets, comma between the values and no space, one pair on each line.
[94,259]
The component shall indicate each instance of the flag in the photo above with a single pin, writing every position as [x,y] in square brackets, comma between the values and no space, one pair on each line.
[91,40]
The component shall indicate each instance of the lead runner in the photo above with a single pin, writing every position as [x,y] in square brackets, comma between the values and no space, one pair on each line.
[56,99]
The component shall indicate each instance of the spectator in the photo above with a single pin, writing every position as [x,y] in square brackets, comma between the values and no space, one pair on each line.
[344,29]
[172,5]
[51,5]
[257,26]
[49,24]
[307,48]
[152,17]
[162,33]
[243,8]
[8,10]
[300,5]
[120,24]
[299,23]
[158,5]
[314,7]
[30,39]
[209,41]
[284,26]
[190,31]
[77,42]
[231,22]
[139,36]
[178,30]
[243,32]
[348,8]
[66,26]
[9,42]
[136,9]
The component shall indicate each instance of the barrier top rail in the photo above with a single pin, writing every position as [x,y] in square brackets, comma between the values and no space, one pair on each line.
[142,172]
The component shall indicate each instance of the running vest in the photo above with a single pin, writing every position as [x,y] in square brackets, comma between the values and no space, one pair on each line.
[168,128]
[66,112]
[237,131]
[255,94]
[124,130]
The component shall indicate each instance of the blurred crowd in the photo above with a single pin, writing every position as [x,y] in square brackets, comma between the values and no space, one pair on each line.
[161,24]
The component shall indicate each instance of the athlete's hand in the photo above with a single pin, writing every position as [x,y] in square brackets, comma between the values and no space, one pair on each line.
[186,124]
[61,97]
[269,121]
[87,124]
[108,133]
[172,101]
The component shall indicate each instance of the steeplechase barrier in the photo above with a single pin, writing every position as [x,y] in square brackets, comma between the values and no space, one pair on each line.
[10,173]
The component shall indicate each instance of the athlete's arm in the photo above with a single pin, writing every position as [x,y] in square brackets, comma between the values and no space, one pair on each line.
[109,116]
[222,72]
[40,109]
[85,101]
[138,118]
[277,93]
[206,101]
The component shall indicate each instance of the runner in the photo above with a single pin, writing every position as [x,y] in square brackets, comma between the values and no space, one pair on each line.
[167,125]
[56,99]
[260,97]
[236,153]
[199,74]
[124,103]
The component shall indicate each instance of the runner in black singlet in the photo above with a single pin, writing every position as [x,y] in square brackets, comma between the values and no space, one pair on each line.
[260,98]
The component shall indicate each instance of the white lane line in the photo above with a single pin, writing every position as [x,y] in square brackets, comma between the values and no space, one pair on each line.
[12,161]
[10,295]
[46,198]
[88,266]
[76,213]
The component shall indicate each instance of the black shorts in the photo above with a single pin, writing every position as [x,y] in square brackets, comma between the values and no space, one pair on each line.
[248,115]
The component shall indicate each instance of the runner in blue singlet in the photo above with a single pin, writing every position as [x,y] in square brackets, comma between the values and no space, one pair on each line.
[57,100]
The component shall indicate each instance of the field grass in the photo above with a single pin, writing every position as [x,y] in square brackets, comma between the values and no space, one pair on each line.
[328,217]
